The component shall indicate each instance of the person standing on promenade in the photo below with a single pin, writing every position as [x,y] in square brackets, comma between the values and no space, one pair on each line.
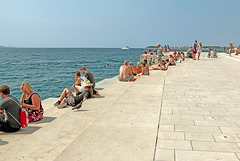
[230,48]
[12,107]
[125,73]
[89,76]
[159,52]
[149,53]
[165,48]
[199,50]
[144,56]
[168,48]
[194,51]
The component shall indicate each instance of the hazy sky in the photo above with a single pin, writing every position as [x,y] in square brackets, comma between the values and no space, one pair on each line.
[115,23]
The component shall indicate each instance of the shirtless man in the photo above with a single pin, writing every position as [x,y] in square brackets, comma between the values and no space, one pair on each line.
[144,56]
[133,68]
[125,73]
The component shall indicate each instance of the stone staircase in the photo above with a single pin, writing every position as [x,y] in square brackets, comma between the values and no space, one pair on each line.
[119,124]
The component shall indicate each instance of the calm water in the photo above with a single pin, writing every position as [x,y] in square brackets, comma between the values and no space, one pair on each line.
[49,71]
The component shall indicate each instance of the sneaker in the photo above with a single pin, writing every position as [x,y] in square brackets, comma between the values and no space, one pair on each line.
[62,105]
[57,103]
[78,106]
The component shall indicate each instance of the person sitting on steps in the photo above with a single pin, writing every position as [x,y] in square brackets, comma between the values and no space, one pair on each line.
[11,105]
[67,97]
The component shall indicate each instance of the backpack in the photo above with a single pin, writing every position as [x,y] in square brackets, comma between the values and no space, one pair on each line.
[24,119]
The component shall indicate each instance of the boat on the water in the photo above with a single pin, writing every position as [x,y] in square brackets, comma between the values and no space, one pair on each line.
[125,47]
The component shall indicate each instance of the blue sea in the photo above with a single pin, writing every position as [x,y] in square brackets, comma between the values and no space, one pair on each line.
[50,70]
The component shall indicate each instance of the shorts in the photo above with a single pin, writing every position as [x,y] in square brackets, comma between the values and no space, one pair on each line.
[134,73]
[145,61]
[150,63]
[159,57]
[70,99]
[80,88]
[194,51]
[125,79]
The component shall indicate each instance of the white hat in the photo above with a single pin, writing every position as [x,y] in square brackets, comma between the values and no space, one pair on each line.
[87,83]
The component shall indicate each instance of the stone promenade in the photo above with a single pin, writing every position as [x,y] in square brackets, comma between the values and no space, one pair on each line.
[189,113]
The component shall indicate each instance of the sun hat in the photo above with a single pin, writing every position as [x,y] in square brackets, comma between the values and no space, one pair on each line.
[87,83]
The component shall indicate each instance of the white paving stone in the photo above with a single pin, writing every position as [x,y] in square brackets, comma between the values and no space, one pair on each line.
[199,137]
[164,155]
[204,156]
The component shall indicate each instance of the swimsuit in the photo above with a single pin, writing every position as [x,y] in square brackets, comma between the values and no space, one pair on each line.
[145,73]
[125,79]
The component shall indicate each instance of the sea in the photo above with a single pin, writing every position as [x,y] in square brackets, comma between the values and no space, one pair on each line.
[50,70]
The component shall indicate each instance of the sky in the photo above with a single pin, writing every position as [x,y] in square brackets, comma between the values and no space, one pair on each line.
[116,23]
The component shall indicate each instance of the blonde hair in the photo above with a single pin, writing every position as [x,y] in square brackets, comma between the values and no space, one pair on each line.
[26,86]
[91,90]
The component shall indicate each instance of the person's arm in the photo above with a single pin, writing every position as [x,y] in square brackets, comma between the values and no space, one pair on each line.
[86,76]
[36,102]
[21,100]
[160,50]
[86,96]
[130,70]
[78,81]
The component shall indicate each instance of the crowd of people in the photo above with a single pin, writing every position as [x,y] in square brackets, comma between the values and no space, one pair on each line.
[131,72]
[84,88]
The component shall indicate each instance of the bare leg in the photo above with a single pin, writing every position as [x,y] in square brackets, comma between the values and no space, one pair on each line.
[230,52]
[2,132]
[75,89]
[167,65]
[199,56]
[64,92]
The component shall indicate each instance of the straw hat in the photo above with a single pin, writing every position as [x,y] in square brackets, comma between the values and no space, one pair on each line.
[87,83]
